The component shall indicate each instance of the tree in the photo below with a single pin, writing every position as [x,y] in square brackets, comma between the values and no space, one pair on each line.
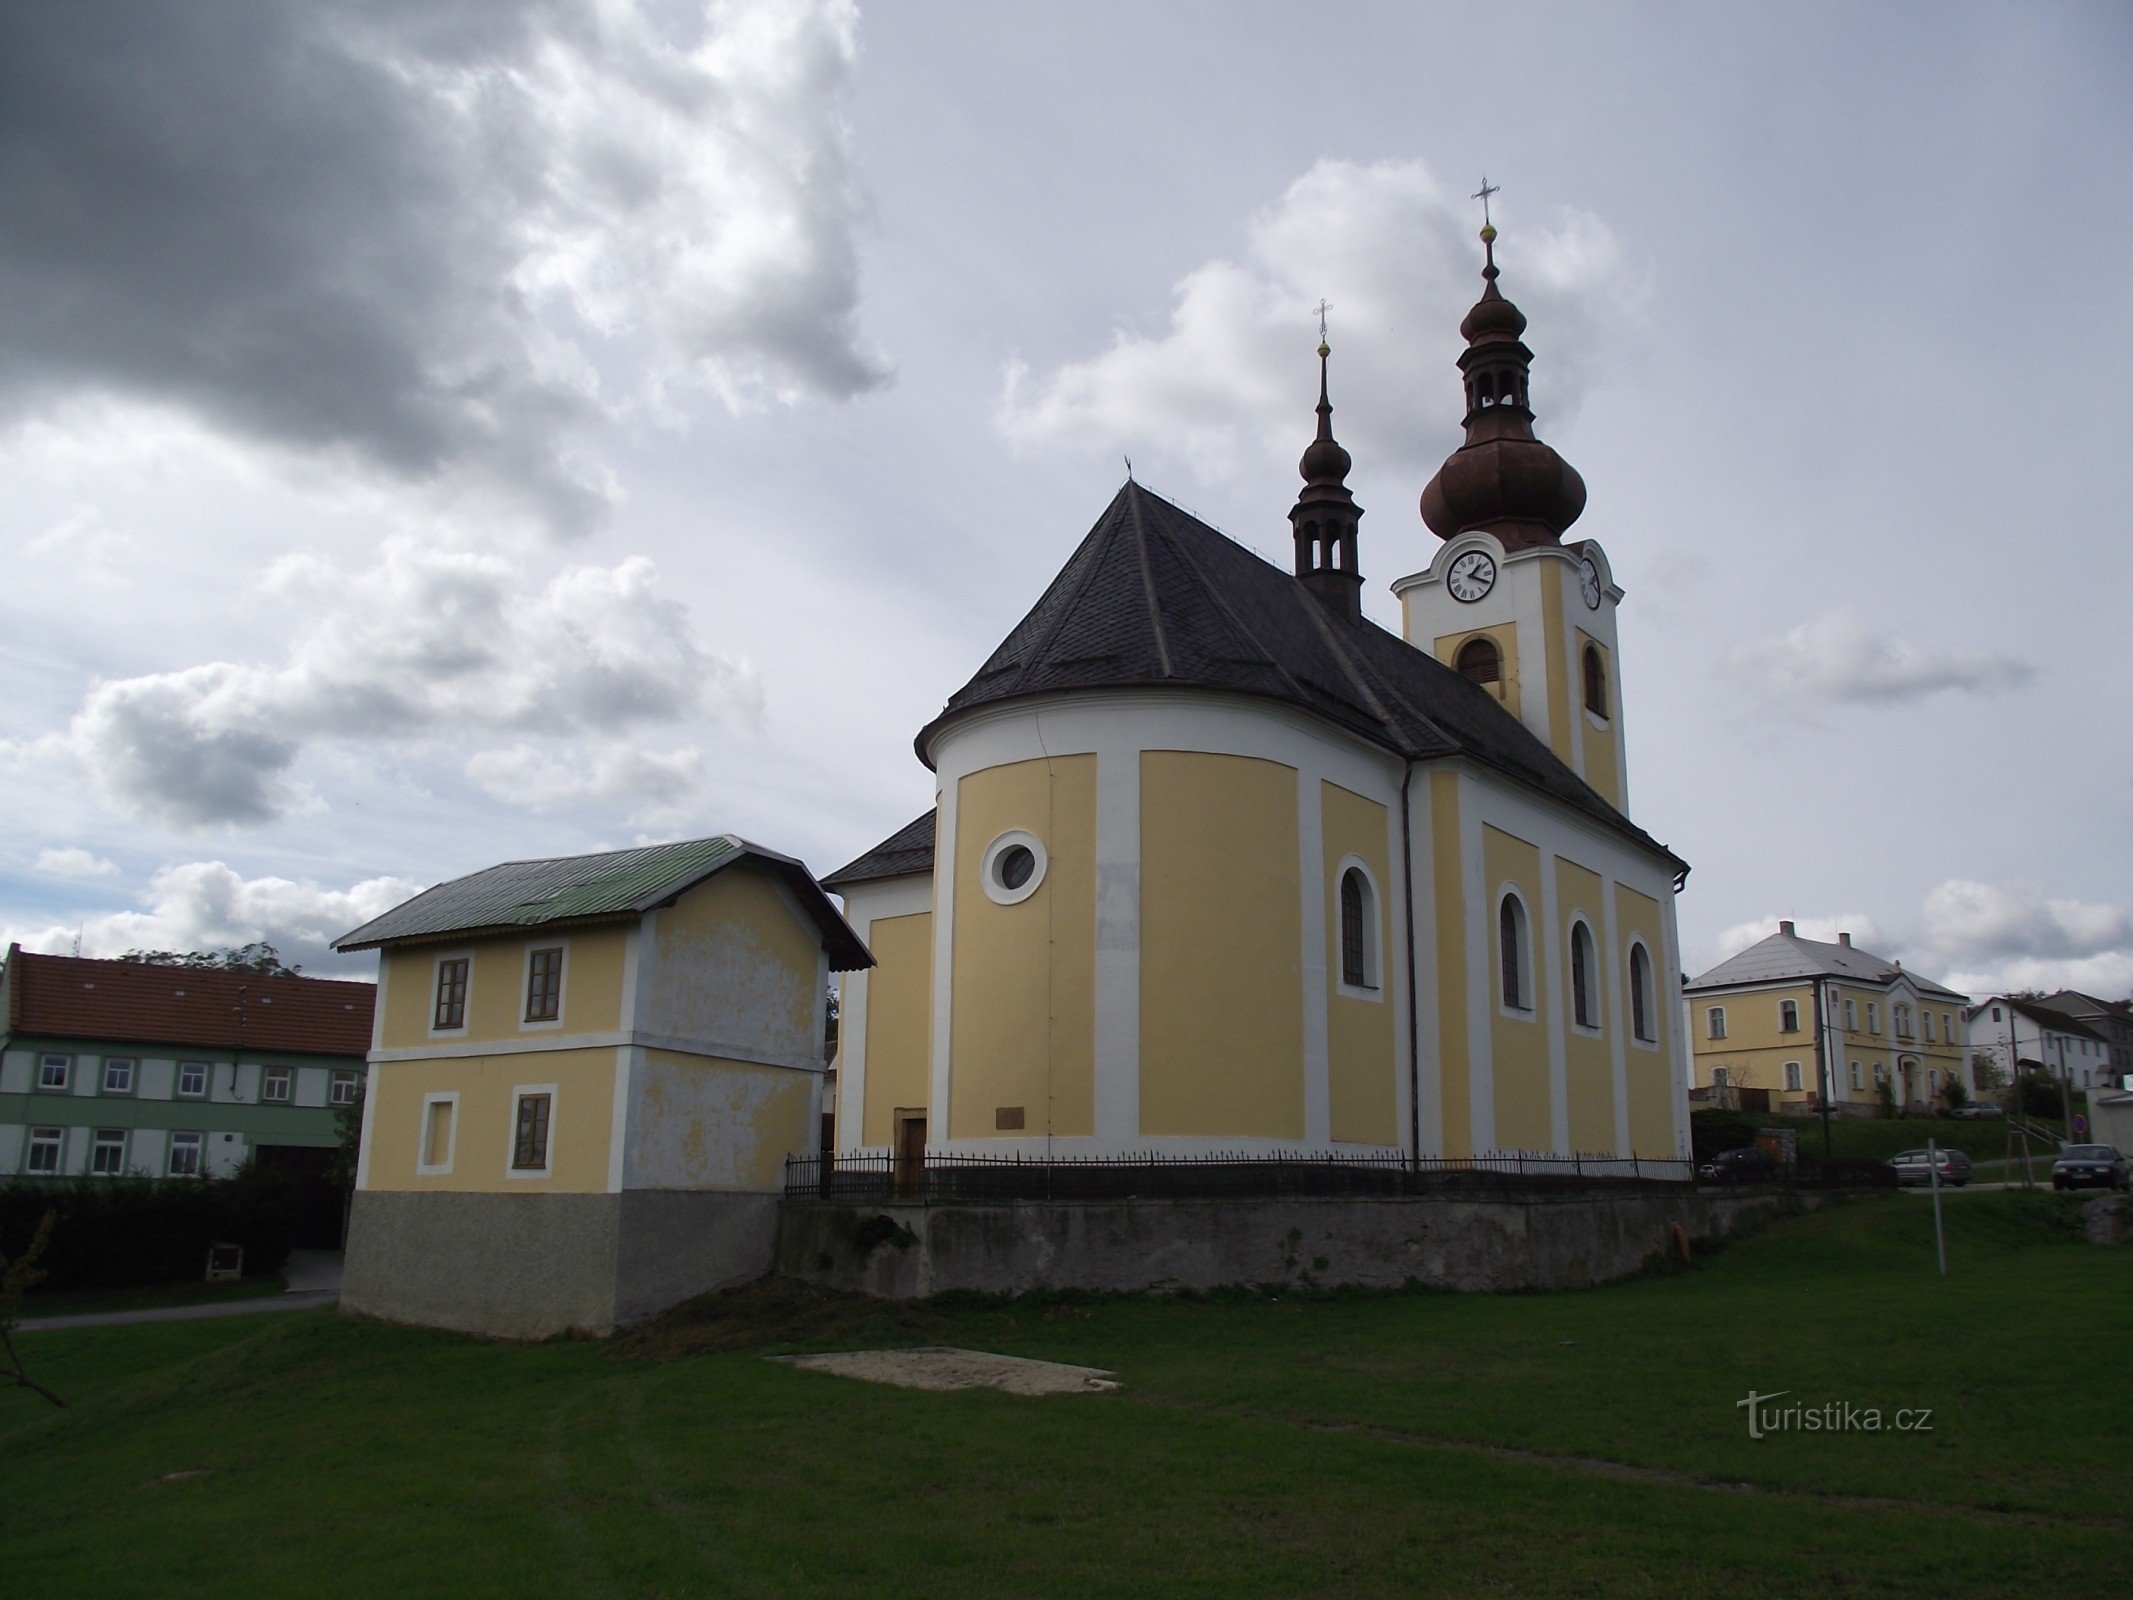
[348,1132]
[18,1277]
[258,957]
[1986,1069]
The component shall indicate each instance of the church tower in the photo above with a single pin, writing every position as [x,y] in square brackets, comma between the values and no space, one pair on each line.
[1506,602]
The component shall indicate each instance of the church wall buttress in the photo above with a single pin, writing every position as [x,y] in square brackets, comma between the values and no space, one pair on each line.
[1359,1027]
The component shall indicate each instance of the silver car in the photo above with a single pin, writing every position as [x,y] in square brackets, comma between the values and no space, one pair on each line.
[1912,1166]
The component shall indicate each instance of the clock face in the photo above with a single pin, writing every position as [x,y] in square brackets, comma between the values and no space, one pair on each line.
[1472,576]
[1589,583]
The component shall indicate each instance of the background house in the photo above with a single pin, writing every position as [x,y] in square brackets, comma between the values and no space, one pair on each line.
[1795,1018]
[2112,1019]
[125,1068]
[2029,1033]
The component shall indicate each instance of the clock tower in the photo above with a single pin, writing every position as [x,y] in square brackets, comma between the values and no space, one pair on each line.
[1507,603]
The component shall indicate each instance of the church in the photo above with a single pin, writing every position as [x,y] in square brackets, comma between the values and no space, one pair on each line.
[1218,865]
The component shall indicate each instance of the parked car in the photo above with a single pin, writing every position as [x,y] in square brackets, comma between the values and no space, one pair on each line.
[1748,1164]
[1977,1111]
[1912,1166]
[2090,1166]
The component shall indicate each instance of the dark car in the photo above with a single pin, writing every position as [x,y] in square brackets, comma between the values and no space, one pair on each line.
[1911,1166]
[2090,1166]
[1748,1164]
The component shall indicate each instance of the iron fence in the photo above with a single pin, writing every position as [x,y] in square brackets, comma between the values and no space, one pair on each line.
[878,1177]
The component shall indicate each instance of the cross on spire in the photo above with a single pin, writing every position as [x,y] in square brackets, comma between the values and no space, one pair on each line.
[1322,308]
[1482,194]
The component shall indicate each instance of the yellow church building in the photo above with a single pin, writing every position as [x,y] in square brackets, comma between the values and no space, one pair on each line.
[1216,864]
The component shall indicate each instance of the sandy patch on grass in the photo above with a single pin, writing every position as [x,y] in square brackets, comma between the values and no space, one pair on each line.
[940,1367]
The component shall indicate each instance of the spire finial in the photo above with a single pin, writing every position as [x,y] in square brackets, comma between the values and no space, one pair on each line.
[1488,228]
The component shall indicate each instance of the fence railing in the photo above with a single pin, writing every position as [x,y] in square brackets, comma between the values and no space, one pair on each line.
[941,1178]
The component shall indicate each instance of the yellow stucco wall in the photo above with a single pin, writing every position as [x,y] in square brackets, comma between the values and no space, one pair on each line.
[1221,979]
[1518,1042]
[1023,1025]
[1602,771]
[496,987]
[899,1023]
[580,1120]
[1588,1057]
[732,962]
[1454,1054]
[1359,1032]
[1560,697]
[706,1122]
[1652,1105]
[1756,1046]
[1505,634]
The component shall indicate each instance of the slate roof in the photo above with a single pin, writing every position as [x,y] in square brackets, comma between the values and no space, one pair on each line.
[1155,598]
[610,886]
[73,997]
[1785,955]
[909,849]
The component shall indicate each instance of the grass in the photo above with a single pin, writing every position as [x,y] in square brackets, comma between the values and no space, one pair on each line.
[1367,1444]
[73,1302]
[1876,1139]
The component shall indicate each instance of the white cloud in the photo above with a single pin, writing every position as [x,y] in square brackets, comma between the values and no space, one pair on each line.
[202,905]
[1837,657]
[1395,254]
[1977,922]
[1863,929]
[657,786]
[71,861]
[427,244]
[424,644]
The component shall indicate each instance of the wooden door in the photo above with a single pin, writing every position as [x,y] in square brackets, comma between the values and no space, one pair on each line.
[910,1155]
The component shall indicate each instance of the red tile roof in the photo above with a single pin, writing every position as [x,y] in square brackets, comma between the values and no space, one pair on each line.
[71,997]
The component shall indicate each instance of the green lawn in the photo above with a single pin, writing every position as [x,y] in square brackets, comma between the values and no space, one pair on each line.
[1568,1444]
[70,1302]
[1876,1139]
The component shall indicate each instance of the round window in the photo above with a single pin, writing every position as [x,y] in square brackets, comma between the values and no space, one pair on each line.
[1013,867]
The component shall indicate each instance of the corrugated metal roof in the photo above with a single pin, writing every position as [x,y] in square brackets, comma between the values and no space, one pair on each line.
[1783,956]
[606,886]
[73,997]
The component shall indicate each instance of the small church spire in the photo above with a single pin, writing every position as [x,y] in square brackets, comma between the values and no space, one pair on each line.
[1325,515]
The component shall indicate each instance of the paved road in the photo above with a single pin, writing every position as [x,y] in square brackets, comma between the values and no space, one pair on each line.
[313,1277]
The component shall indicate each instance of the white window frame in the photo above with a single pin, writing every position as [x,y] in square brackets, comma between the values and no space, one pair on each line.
[179,1141]
[1527,1009]
[98,1142]
[995,891]
[132,1064]
[525,987]
[425,1168]
[1795,1080]
[56,1141]
[288,1079]
[466,1011]
[1595,991]
[1873,1018]
[547,1168]
[1714,1022]
[1793,1007]
[207,1077]
[1858,1077]
[1851,1015]
[1651,998]
[338,1078]
[45,1064]
[1373,952]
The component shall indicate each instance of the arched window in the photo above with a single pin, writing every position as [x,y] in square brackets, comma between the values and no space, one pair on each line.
[1584,993]
[1640,993]
[1595,681]
[1479,661]
[1511,953]
[1359,926]
[1488,389]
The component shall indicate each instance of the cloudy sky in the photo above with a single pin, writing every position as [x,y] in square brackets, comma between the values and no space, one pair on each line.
[434,433]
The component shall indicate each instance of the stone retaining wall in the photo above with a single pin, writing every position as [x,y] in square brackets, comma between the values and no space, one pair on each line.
[905,1252]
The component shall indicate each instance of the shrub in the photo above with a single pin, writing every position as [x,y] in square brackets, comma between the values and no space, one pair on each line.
[120,1232]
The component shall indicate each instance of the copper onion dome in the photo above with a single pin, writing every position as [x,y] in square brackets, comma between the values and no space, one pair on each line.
[1502,479]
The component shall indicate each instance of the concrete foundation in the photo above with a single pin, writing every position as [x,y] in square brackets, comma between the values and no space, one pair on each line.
[906,1252]
[529,1266]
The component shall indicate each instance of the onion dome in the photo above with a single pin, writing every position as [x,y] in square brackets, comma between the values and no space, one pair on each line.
[1503,478]
[1325,516]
